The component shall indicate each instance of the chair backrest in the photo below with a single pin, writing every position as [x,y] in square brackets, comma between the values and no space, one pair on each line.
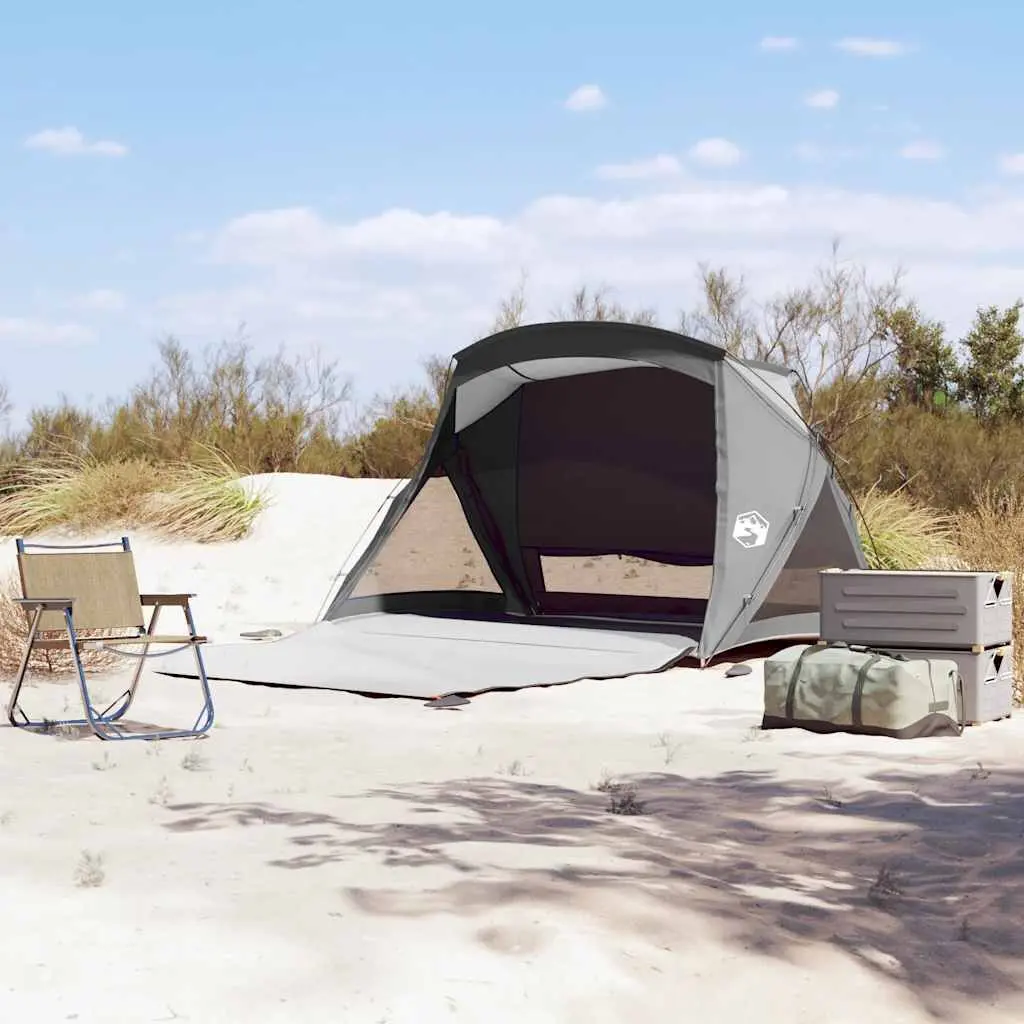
[102,583]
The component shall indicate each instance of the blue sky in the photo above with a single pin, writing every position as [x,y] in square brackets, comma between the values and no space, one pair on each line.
[371,179]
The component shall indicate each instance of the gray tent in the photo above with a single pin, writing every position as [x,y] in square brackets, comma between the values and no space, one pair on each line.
[596,499]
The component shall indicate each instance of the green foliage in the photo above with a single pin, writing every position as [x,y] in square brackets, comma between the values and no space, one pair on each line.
[991,381]
[926,367]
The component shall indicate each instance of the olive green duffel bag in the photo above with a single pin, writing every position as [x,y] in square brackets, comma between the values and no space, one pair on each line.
[833,687]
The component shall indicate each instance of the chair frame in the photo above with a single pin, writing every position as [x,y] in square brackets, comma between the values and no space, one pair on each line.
[105,723]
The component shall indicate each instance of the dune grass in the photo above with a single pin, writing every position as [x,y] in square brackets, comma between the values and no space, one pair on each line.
[202,501]
[897,533]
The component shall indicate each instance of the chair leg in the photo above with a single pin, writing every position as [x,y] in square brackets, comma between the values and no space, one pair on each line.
[107,728]
[128,696]
[13,707]
[16,714]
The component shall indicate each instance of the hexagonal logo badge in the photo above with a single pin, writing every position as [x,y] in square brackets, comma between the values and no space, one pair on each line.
[750,529]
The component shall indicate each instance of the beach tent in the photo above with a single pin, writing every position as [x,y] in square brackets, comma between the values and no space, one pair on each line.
[614,471]
[596,499]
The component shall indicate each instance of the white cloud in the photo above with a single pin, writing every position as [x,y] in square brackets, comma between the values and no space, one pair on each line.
[864,46]
[716,153]
[922,149]
[779,43]
[661,166]
[586,98]
[1012,163]
[103,300]
[71,142]
[28,332]
[822,99]
[381,292]
[264,236]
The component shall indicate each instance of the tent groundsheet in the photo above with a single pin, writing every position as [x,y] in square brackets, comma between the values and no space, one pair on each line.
[424,657]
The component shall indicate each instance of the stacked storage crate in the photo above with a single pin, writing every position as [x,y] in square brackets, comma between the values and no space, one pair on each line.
[964,616]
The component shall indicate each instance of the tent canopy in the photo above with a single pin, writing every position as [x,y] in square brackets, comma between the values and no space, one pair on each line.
[610,473]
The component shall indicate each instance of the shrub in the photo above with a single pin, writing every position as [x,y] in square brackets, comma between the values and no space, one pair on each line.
[897,533]
[940,460]
[203,502]
[991,536]
[14,632]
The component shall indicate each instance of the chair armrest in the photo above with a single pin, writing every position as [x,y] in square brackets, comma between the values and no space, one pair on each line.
[149,600]
[52,604]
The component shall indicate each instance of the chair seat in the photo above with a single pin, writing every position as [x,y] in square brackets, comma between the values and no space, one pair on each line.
[51,643]
[158,638]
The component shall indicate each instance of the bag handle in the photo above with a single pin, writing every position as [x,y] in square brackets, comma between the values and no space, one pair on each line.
[857,706]
[861,649]
[795,676]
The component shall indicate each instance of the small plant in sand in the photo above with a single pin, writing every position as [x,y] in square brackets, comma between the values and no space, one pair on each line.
[201,501]
[897,533]
[885,888]
[669,747]
[6,818]
[829,799]
[89,873]
[755,734]
[163,794]
[514,769]
[623,799]
[61,730]
[194,761]
[104,764]
[980,773]
[606,783]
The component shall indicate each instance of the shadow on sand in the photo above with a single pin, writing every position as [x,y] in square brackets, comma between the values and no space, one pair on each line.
[922,878]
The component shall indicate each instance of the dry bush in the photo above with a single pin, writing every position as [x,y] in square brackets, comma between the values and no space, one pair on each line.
[897,533]
[203,502]
[14,625]
[264,414]
[832,333]
[990,536]
[940,460]
[396,430]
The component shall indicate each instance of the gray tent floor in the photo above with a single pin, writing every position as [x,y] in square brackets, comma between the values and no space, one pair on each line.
[392,655]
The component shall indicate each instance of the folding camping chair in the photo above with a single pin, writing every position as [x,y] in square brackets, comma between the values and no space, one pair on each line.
[82,597]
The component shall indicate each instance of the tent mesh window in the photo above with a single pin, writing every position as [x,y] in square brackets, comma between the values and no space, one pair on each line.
[796,590]
[430,549]
[624,574]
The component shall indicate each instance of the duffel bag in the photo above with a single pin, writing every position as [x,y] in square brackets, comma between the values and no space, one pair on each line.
[833,687]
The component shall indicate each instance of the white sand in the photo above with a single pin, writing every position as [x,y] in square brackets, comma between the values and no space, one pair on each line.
[338,859]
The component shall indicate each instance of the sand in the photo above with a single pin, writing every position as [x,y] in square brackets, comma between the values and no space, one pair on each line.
[324,857]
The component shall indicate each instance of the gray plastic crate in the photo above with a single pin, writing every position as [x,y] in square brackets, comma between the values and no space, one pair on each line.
[941,610]
[987,677]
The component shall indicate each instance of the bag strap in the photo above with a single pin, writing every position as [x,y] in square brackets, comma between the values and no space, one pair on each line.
[795,676]
[861,649]
[856,711]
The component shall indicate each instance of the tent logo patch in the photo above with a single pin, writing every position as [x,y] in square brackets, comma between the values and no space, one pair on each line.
[750,529]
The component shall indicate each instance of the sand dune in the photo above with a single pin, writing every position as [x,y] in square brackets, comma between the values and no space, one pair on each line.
[323,857]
